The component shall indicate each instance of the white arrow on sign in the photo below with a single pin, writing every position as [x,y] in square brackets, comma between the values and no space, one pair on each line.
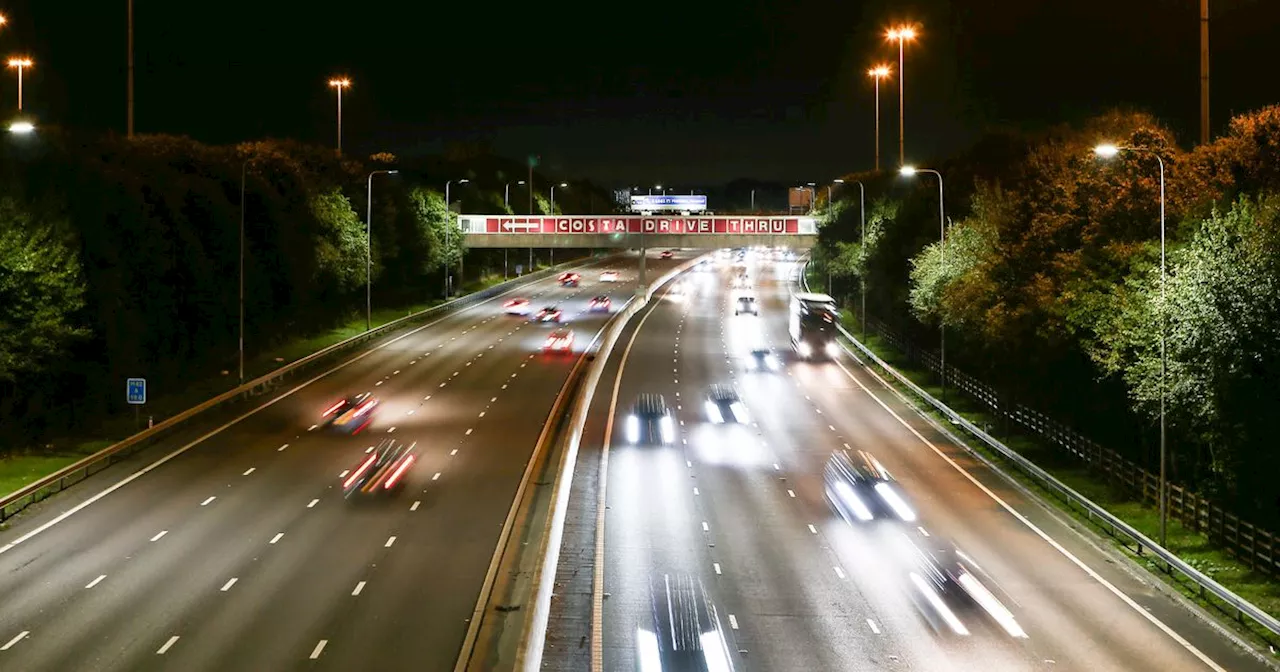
[510,225]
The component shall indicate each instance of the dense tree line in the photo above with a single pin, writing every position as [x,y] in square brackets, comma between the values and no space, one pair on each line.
[121,258]
[1050,285]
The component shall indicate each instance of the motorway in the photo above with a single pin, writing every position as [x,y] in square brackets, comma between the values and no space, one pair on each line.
[242,553]
[741,508]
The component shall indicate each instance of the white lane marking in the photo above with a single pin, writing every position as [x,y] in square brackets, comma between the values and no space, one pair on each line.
[368,450]
[344,473]
[359,587]
[775,464]
[409,412]
[468,363]
[437,476]
[281,448]
[427,398]
[167,645]
[813,529]
[276,538]
[705,526]
[733,621]
[716,565]
[504,386]
[396,373]
[1041,533]
[161,534]
[695,491]
[414,506]
[312,427]
[96,581]
[493,400]
[442,384]
[923,531]
[482,413]
[391,430]
[513,375]
[390,540]
[791,493]
[230,582]
[688,463]
[248,471]
[315,653]
[831,427]
[313,503]
[453,452]
[379,383]
[839,572]
[208,501]
[874,628]
[522,364]
[469,431]
[15,640]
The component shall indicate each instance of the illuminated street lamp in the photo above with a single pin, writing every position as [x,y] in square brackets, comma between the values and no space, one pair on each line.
[878,73]
[562,185]
[21,127]
[901,35]
[20,64]
[910,171]
[1108,151]
[448,217]
[340,84]
[506,193]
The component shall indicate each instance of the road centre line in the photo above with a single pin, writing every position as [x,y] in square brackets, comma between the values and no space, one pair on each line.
[96,581]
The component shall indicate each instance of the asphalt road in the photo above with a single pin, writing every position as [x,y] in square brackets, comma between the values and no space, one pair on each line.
[242,553]
[797,588]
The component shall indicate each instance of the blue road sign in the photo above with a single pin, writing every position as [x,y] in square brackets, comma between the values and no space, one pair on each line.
[136,389]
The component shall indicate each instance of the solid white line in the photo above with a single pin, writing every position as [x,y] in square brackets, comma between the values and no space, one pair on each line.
[813,529]
[208,501]
[287,445]
[733,621]
[315,653]
[436,476]
[414,506]
[359,587]
[313,503]
[157,537]
[390,540]
[1041,533]
[716,565]
[167,645]
[15,640]
[248,471]
[874,627]
[96,581]
[230,582]
[839,572]
[276,538]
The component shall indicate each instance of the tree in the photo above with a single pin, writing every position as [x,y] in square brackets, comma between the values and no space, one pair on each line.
[41,291]
[340,245]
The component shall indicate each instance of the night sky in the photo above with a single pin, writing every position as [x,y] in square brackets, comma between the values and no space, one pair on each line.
[652,92]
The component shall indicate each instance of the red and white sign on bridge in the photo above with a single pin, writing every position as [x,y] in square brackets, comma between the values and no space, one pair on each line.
[604,224]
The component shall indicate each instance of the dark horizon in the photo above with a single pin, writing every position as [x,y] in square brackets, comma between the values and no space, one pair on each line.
[776,91]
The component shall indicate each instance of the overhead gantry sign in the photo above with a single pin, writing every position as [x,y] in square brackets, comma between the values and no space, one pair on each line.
[637,231]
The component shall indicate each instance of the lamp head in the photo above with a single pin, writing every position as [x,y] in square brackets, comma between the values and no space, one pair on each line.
[838,181]
[1106,151]
[564,185]
[520,182]
[340,83]
[21,127]
[20,63]
[879,71]
[907,171]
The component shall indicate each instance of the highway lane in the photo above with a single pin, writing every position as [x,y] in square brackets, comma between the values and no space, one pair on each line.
[742,508]
[243,554]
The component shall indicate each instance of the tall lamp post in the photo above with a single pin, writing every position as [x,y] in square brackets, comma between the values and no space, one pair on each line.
[562,185]
[129,80]
[20,64]
[244,169]
[862,277]
[368,252]
[878,73]
[1106,152]
[448,227]
[910,171]
[340,84]
[506,193]
[901,35]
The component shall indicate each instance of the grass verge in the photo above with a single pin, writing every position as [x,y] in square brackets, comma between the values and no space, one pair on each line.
[19,468]
[1195,548]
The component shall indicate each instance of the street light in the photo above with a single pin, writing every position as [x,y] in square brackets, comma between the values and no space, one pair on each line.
[20,64]
[878,73]
[340,84]
[813,194]
[910,171]
[562,185]
[901,35]
[368,252]
[21,127]
[448,215]
[506,194]
[244,169]
[1108,151]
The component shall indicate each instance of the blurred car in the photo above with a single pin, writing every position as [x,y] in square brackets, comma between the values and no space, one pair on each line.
[746,304]
[685,632]
[667,254]
[944,580]
[651,421]
[600,304]
[549,314]
[609,276]
[570,279]
[862,490]
[560,340]
[517,306]
[724,405]
[350,415]
[762,359]
[381,471]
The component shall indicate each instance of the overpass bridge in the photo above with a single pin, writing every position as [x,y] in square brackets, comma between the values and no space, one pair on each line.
[634,231]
